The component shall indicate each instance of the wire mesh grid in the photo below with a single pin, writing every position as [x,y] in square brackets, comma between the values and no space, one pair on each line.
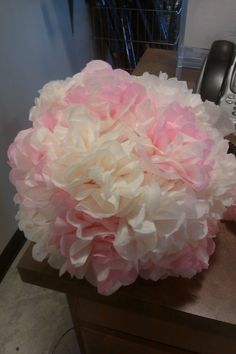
[122,34]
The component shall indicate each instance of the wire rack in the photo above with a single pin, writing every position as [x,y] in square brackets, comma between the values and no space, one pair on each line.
[122,33]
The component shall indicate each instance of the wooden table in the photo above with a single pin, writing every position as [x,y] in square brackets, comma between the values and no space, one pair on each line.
[171,316]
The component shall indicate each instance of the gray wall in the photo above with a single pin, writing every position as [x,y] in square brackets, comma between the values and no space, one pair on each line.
[208,20]
[36,45]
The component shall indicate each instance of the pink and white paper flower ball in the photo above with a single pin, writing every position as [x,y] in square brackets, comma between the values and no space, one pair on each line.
[122,176]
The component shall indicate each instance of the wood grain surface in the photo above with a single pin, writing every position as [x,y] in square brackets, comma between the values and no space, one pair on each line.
[156,60]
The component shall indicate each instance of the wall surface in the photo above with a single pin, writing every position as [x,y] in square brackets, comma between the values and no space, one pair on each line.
[36,46]
[208,20]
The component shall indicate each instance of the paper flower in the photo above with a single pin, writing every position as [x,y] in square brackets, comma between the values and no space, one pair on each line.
[122,176]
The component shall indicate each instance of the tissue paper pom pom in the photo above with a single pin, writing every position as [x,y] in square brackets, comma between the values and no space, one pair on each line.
[122,176]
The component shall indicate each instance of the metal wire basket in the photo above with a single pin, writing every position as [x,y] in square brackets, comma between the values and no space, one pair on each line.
[122,33]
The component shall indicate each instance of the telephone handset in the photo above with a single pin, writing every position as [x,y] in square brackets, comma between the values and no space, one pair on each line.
[217,80]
